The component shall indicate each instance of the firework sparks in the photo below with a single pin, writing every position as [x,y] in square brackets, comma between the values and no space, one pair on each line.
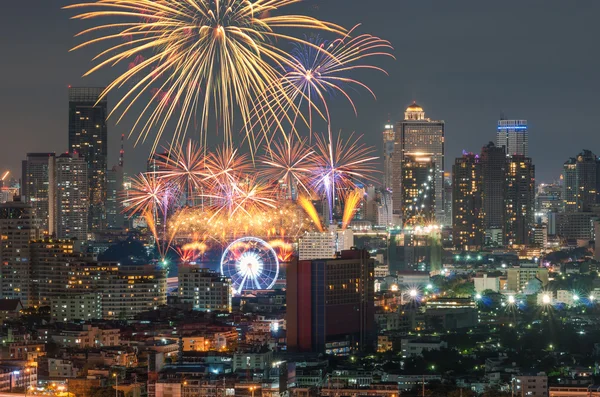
[340,165]
[290,161]
[352,201]
[218,227]
[203,55]
[183,167]
[147,194]
[321,70]
[311,211]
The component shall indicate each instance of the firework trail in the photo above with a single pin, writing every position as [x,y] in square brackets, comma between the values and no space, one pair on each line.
[206,56]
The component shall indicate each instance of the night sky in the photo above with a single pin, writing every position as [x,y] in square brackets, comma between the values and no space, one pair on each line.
[464,61]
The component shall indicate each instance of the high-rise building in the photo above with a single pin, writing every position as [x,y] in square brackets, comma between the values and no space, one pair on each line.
[448,196]
[66,280]
[114,197]
[519,200]
[330,304]
[416,248]
[418,189]
[548,199]
[35,185]
[493,176]
[581,177]
[17,228]
[69,190]
[418,134]
[388,156]
[512,135]
[323,245]
[205,289]
[467,214]
[88,136]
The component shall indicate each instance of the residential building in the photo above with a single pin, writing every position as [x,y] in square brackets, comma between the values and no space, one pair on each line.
[418,189]
[205,289]
[69,190]
[17,227]
[485,283]
[519,200]
[572,225]
[88,136]
[467,211]
[518,277]
[581,176]
[532,385]
[35,187]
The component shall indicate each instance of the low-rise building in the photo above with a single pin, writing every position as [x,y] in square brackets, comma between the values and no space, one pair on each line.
[416,347]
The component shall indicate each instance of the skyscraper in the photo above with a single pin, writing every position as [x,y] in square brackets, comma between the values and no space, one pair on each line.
[417,134]
[330,304]
[581,176]
[418,189]
[512,135]
[388,156]
[70,192]
[17,228]
[88,136]
[493,175]
[519,201]
[114,197]
[35,182]
[467,214]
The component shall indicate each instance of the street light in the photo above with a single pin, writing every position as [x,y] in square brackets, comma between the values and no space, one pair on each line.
[116,376]
[252,390]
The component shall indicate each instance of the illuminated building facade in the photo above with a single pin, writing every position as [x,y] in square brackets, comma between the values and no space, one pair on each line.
[388,156]
[519,202]
[35,186]
[581,177]
[317,245]
[17,227]
[512,135]
[467,214]
[69,190]
[330,304]
[416,249]
[418,189]
[88,136]
[418,134]
[205,289]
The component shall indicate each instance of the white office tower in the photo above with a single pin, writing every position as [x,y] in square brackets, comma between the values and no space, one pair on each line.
[324,245]
[512,135]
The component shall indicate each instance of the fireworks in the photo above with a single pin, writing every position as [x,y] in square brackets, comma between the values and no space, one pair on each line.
[211,56]
[311,211]
[285,221]
[321,69]
[290,161]
[340,165]
[182,166]
[147,194]
[351,204]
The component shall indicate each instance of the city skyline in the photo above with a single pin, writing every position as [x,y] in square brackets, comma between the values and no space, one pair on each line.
[461,93]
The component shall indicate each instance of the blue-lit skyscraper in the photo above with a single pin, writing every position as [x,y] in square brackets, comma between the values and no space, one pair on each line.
[512,134]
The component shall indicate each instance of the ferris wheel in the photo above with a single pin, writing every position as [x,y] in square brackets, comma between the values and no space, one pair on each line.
[251,263]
